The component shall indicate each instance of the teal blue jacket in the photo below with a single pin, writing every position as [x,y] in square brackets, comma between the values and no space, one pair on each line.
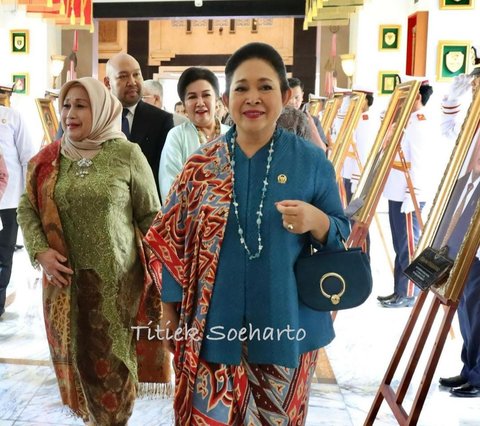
[257,300]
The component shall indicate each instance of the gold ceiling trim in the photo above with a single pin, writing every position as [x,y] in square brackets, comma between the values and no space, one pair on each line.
[317,11]
[331,3]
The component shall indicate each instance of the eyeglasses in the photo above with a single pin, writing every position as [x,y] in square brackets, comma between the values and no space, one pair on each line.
[147,96]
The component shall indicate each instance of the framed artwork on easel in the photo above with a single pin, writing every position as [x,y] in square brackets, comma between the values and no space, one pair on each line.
[453,224]
[4,100]
[454,221]
[383,151]
[332,106]
[344,140]
[48,118]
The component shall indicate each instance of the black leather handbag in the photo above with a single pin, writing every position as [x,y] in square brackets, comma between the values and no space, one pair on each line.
[334,280]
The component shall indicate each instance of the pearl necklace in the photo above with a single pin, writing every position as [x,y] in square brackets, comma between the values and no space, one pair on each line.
[262,198]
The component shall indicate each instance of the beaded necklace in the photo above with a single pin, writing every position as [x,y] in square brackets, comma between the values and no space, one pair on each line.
[202,136]
[262,198]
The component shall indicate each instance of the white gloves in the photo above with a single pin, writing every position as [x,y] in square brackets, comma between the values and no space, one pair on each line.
[407,205]
[461,84]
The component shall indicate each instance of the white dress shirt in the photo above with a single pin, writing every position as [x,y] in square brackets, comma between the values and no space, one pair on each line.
[17,150]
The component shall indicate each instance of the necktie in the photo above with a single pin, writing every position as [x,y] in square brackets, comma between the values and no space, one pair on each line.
[456,216]
[125,125]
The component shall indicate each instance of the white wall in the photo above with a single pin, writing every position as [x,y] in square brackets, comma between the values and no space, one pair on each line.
[364,43]
[44,40]
[442,25]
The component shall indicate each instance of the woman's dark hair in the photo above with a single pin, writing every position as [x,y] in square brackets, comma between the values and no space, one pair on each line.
[425,92]
[256,50]
[192,74]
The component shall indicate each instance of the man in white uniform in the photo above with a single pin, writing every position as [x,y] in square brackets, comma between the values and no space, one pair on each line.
[17,148]
[417,146]
[364,138]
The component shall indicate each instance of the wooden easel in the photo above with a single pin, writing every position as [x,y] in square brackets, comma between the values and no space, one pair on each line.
[395,398]
[446,295]
[332,106]
[358,236]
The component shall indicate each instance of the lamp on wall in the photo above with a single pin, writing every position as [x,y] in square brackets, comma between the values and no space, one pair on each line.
[348,66]
[58,62]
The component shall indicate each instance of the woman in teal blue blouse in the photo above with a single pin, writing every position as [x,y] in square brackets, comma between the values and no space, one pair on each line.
[224,248]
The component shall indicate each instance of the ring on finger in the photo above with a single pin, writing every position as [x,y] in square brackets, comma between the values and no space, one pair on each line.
[49,276]
[290,227]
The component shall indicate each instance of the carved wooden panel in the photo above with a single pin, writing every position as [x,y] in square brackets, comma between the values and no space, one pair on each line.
[216,37]
[107,31]
[112,38]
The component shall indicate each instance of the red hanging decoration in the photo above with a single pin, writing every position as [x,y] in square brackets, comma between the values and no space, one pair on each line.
[79,12]
[330,66]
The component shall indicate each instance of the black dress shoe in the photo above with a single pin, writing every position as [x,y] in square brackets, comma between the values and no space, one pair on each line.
[399,302]
[452,382]
[385,298]
[466,391]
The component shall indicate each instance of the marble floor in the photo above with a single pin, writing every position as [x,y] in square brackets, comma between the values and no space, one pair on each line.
[366,339]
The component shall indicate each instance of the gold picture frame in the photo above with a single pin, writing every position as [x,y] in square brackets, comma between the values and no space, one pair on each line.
[48,117]
[19,41]
[389,37]
[21,83]
[453,58]
[387,81]
[463,242]
[345,134]
[332,106]
[4,99]
[382,154]
[457,4]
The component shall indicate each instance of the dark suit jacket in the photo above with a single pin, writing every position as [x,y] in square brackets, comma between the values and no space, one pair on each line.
[458,234]
[149,129]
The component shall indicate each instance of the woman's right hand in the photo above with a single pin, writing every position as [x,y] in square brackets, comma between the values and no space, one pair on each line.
[52,263]
[169,325]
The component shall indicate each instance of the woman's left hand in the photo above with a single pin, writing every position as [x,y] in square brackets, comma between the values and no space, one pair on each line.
[299,217]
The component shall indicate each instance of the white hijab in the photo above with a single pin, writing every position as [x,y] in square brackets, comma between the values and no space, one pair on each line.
[106,121]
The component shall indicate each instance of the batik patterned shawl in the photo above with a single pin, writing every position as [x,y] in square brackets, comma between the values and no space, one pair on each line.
[43,173]
[186,237]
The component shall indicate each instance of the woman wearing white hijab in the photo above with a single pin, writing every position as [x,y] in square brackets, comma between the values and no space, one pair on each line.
[86,196]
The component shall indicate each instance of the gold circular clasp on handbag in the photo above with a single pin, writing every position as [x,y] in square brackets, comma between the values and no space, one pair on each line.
[334,298]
